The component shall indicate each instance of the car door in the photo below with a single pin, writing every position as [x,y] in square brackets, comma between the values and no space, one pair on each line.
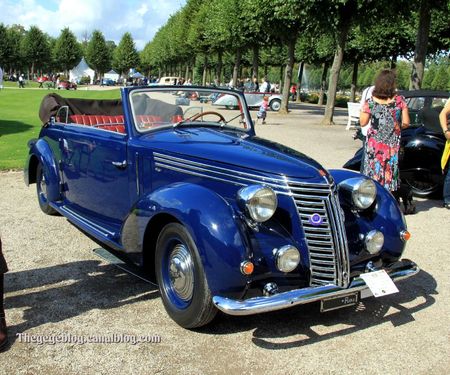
[95,172]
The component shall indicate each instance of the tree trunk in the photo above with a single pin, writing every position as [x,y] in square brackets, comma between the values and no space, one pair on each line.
[323,83]
[420,52]
[193,69]
[186,73]
[237,65]
[219,67]
[205,68]
[334,76]
[255,60]
[394,62]
[288,76]
[354,81]
[299,80]
[280,83]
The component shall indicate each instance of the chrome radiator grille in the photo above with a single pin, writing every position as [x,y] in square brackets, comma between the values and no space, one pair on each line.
[323,226]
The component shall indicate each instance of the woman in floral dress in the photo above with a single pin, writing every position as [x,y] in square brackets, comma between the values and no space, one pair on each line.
[388,114]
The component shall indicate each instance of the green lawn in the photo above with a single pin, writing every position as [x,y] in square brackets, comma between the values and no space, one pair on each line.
[19,120]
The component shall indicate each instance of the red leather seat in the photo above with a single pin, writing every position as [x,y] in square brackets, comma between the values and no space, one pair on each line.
[111,123]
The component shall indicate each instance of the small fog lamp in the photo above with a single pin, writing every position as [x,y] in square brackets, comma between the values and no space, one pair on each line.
[374,241]
[287,258]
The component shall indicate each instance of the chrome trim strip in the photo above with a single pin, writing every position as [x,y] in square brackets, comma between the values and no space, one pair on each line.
[87,222]
[215,169]
[280,185]
[398,271]
[136,169]
[342,234]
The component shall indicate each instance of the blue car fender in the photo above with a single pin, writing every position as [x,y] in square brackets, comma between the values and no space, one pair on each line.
[40,152]
[385,217]
[210,220]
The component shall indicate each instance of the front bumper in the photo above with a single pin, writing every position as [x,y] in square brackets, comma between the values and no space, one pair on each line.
[397,271]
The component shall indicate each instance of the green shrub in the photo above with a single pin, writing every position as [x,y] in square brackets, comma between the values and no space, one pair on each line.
[85,80]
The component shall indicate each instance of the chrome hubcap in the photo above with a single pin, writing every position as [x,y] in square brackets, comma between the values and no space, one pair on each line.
[181,272]
[43,187]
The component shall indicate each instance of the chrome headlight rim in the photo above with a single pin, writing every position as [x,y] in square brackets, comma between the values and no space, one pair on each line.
[282,261]
[258,201]
[374,241]
[358,192]
[365,186]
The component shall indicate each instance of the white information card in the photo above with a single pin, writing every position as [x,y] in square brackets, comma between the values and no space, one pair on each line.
[379,282]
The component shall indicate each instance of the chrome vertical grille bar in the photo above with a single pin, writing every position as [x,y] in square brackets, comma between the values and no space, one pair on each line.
[326,240]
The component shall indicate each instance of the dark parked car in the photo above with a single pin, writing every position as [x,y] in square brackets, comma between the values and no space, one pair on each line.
[422,144]
[107,82]
[219,218]
[66,85]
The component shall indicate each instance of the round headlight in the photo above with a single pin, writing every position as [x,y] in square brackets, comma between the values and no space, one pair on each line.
[364,194]
[260,202]
[287,258]
[374,241]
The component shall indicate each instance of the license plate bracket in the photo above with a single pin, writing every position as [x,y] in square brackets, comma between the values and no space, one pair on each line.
[339,302]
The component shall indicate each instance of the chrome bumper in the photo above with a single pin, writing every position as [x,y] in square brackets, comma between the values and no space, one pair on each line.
[397,271]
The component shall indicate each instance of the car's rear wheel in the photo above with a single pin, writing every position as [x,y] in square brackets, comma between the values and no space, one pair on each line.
[275,105]
[181,278]
[41,189]
[423,188]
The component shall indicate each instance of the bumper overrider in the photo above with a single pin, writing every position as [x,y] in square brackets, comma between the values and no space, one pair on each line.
[397,271]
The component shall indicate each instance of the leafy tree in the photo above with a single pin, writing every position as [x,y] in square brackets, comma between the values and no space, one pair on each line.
[426,9]
[10,53]
[441,79]
[97,53]
[5,50]
[67,52]
[282,20]
[35,49]
[125,55]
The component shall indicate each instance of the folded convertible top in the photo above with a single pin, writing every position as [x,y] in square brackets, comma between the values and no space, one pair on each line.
[52,102]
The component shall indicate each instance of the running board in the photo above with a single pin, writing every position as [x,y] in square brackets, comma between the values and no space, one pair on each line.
[116,261]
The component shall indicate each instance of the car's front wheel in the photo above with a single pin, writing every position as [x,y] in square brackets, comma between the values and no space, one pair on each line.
[41,189]
[181,278]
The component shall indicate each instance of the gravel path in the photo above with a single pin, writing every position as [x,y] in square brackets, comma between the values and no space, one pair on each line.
[57,286]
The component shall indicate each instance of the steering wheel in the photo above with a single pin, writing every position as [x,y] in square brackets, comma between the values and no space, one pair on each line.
[197,116]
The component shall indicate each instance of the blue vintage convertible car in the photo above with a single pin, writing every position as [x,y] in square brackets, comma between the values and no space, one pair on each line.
[219,218]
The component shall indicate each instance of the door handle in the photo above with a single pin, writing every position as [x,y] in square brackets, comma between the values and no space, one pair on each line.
[120,164]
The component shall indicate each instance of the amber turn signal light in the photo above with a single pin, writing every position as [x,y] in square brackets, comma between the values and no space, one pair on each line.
[247,267]
[405,235]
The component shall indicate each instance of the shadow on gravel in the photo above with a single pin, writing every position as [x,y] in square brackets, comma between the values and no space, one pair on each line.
[318,110]
[13,127]
[427,204]
[305,325]
[92,286]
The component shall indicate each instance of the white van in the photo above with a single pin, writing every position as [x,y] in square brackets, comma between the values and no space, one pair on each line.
[167,81]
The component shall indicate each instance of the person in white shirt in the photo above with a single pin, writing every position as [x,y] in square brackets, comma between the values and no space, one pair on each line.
[366,95]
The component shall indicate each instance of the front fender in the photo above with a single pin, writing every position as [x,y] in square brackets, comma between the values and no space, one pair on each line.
[40,152]
[386,217]
[212,223]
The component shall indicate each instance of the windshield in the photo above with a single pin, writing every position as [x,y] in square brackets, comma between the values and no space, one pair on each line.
[424,110]
[178,106]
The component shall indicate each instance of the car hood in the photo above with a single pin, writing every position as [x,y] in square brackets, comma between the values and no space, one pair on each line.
[235,150]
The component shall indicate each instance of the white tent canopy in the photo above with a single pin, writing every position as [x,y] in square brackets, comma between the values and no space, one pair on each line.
[112,75]
[81,70]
